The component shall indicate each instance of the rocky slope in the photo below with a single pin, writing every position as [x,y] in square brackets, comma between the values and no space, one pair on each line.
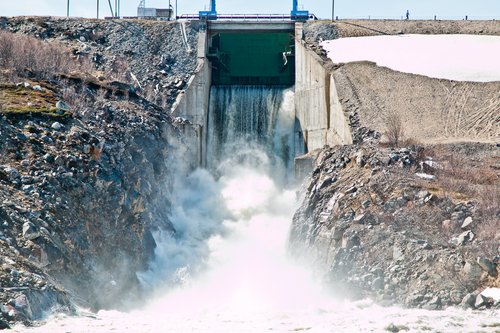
[417,226]
[84,183]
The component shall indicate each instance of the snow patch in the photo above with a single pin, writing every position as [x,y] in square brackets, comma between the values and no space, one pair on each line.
[453,57]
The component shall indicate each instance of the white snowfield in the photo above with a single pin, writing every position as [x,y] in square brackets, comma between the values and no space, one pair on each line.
[454,57]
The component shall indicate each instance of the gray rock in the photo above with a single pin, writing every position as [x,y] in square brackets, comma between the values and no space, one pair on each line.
[472,270]
[468,302]
[12,172]
[492,293]
[414,300]
[378,283]
[422,195]
[426,246]
[464,237]
[57,126]
[59,160]
[351,190]
[349,240]
[62,106]
[30,232]
[397,253]
[487,266]
[360,158]
[4,325]
[433,304]
[48,158]
[467,223]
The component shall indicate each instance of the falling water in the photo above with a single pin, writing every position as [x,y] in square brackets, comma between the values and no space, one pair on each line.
[246,122]
[225,269]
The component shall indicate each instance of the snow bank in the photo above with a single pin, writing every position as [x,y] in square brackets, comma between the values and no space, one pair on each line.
[453,57]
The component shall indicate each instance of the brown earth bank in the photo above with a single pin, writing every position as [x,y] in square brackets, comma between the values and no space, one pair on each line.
[86,156]
[428,110]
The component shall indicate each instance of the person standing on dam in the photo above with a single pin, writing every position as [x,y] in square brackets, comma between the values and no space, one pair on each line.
[408,14]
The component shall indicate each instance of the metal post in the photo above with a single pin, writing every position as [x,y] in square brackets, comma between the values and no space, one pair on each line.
[333,10]
[67,10]
[97,9]
[176,9]
[111,8]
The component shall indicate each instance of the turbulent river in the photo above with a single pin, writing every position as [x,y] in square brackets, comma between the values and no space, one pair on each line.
[226,268]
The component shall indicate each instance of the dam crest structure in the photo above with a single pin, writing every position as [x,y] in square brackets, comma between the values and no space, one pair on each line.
[268,54]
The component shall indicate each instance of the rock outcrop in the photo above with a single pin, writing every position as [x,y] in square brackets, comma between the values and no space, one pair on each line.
[83,187]
[397,224]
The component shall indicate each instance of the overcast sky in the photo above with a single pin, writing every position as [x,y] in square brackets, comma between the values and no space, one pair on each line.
[446,9]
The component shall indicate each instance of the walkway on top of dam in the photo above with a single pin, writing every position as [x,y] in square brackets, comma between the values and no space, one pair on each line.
[250,26]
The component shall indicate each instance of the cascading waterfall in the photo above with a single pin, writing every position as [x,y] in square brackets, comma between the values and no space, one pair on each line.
[225,268]
[249,153]
[241,118]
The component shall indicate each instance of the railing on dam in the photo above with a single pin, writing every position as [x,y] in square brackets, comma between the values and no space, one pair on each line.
[245,17]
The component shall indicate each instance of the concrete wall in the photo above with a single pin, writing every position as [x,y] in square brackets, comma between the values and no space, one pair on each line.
[317,107]
[194,102]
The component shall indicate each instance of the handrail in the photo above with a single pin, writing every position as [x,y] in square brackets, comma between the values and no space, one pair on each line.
[247,16]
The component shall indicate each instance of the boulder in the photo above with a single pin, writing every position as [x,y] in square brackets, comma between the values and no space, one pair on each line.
[56,125]
[30,231]
[378,283]
[467,224]
[397,253]
[464,237]
[469,300]
[349,240]
[62,106]
[487,266]
[433,304]
[472,270]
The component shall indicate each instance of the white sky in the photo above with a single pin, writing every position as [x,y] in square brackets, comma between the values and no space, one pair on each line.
[446,9]
[454,57]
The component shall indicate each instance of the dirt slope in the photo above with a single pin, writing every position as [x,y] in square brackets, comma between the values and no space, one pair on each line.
[432,110]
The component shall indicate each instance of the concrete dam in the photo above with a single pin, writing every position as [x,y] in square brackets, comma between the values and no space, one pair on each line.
[263,54]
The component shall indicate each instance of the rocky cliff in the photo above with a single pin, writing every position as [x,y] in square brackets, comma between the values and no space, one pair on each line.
[416,226]
[85,161]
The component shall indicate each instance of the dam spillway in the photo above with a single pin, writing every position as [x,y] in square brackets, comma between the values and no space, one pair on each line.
[263,54]
[254,117]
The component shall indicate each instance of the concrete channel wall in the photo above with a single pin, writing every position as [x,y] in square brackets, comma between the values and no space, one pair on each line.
[193,104]
[317,107]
